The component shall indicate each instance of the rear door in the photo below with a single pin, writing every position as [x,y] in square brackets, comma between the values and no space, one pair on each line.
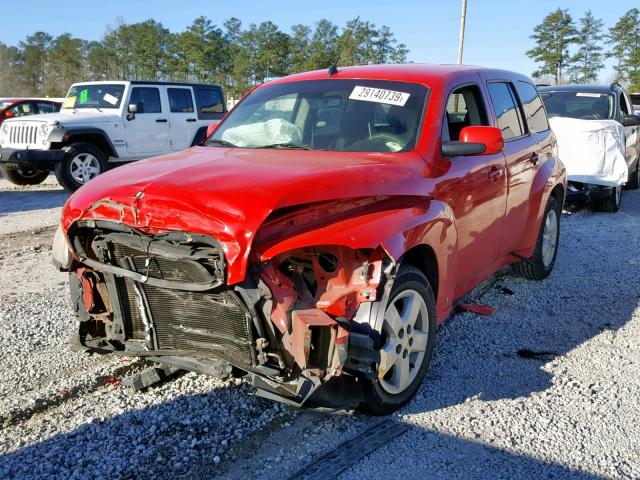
[182,117]
[147,131]
[526,143]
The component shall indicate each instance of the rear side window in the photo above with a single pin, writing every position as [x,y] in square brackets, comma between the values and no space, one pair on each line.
[180,100]
[147,99]
[624,105]
[46,107]
[506,110]
[210,102]
[533,109]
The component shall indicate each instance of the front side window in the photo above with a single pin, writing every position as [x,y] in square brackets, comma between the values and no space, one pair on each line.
[581,105]
[147,99]
[94,96]
[506,110]
[464,109]
[534,112]
[21,110]
[180,100]
[334,115]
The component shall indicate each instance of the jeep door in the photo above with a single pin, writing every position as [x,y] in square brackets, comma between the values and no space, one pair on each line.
[477,194]
[147,130]
[526,144]
[182,117]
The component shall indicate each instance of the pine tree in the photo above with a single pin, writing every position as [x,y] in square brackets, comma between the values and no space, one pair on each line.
[625,47]
[553,37]
[588,60]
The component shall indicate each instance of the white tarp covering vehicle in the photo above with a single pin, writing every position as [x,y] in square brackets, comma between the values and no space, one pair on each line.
[593,151]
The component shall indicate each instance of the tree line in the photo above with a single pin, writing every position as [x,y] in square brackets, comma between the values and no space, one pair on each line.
[232,55]
[574,52]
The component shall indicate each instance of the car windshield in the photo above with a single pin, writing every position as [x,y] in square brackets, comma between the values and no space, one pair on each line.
[94,96]
[335,115]
[582,105]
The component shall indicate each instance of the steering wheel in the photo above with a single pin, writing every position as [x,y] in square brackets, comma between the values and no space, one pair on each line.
[591,116]
[380,142]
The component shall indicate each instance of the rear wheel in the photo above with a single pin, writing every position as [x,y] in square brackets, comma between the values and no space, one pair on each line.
[611,203]
[23,176]
[82,162]
[407,337]
[541,263]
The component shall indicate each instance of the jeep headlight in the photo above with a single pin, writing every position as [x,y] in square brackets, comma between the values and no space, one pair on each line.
[5,128]
[60,251]
[44,130]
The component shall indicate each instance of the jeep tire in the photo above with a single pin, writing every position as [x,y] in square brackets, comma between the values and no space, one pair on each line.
[23,176]
[81,163]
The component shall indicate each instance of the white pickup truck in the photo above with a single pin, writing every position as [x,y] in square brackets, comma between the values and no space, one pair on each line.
[103,123]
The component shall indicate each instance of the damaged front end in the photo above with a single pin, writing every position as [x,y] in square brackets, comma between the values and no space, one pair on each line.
[298,321]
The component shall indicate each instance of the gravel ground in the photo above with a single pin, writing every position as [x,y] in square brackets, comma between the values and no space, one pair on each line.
[484,411]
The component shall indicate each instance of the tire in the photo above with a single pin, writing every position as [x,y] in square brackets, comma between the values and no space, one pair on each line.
[611,204]
[634,178]
[540,264]
[82,162]
[23,176]
[383,396]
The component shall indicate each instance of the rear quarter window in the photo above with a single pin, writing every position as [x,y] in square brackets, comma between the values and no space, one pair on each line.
[210,103]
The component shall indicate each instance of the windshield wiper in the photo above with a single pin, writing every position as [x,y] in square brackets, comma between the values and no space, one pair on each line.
[291,146]
[220,143]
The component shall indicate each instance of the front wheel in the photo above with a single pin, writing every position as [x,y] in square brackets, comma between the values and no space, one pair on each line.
[81,163]
[23,176]
[541,263]
[407,339]
[611,203]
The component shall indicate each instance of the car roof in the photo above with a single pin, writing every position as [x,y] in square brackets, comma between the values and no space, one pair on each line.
[406,72]
[579,88]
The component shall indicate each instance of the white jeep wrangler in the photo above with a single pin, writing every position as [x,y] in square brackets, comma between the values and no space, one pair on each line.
[102,123]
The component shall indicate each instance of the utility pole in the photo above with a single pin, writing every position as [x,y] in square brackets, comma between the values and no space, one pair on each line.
[463,18]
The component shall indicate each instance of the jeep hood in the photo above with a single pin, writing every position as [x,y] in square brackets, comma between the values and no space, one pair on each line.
[228,193]
[88,117]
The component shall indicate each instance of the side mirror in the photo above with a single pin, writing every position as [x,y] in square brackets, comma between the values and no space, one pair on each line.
[475,141]
[631,120]
[212,127]
[132,108]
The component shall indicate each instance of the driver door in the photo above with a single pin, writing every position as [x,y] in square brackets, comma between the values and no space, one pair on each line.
[147,132]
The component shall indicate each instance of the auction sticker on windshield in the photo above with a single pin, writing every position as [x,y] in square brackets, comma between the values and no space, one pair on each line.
[379,95]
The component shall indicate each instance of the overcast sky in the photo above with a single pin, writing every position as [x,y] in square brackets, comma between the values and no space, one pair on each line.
[497,32]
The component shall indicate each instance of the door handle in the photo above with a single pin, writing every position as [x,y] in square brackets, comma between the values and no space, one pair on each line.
[495,173]
[161,120]
[191,119]
[535,158]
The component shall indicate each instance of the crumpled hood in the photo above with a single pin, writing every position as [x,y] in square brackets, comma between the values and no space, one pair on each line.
[228,193]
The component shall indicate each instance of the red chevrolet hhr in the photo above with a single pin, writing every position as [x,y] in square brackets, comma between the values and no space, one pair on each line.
[323,230]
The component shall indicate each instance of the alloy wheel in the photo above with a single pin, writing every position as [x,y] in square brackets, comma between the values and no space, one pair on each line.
[549,237]
[83,167]
[406,334]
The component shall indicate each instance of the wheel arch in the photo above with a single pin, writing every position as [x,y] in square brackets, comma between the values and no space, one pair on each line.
[424,258]
[93,136]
